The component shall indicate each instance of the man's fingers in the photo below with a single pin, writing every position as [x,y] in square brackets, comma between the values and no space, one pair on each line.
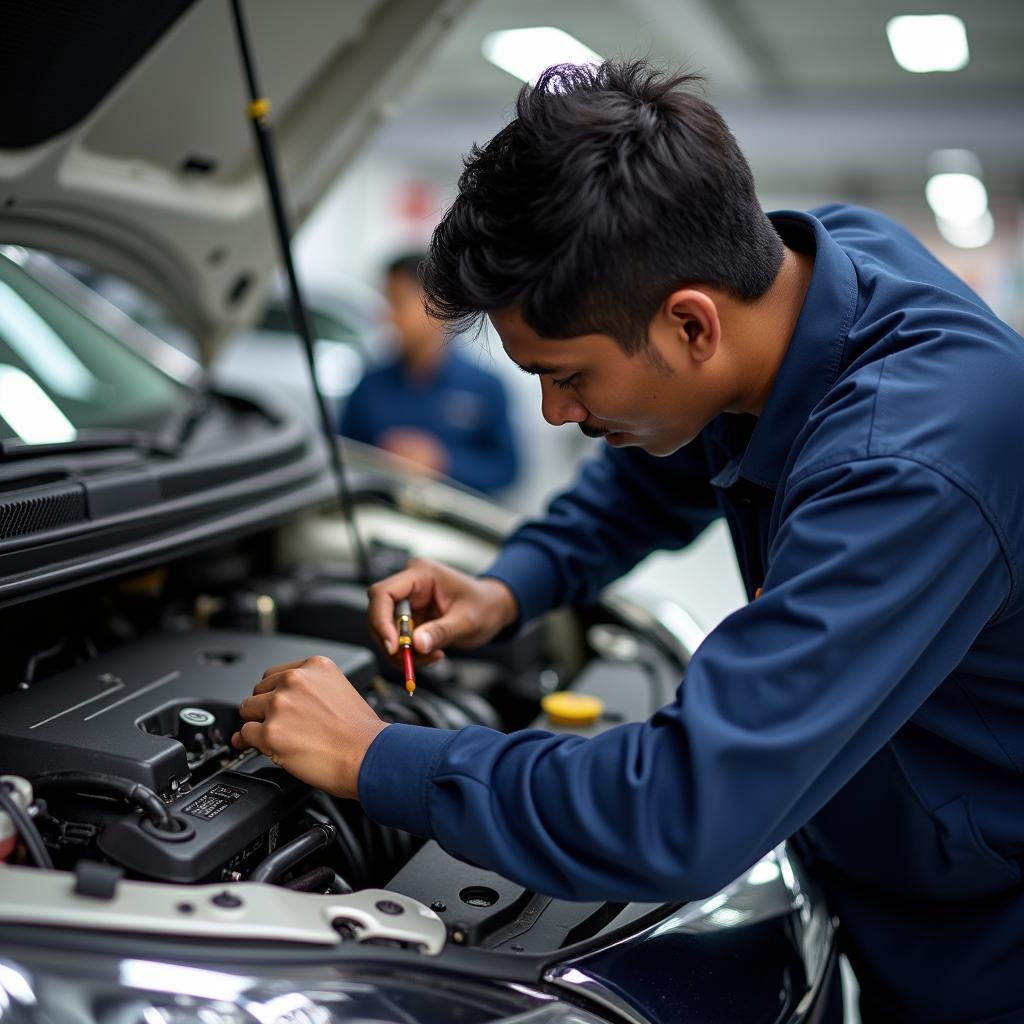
[250,735]
[275,669]
[382,610]
[415,584]
[439,633]
[254,709]
[270,682]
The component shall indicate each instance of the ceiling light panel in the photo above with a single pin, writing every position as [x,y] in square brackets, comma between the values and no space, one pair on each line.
[968,236]
[957,198]
[527,53]
[928,42]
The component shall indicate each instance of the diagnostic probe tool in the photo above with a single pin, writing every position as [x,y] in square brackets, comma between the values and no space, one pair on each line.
[403,614]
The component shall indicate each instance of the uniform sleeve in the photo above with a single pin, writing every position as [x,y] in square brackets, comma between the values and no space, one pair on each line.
[624,505]
[489,460]
[881,576]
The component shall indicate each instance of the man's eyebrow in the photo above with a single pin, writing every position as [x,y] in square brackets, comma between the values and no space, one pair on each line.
[538,368]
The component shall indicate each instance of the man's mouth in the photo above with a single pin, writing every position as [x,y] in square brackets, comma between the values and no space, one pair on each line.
[593,431]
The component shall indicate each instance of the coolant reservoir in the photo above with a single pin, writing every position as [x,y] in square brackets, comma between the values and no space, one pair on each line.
[572,709]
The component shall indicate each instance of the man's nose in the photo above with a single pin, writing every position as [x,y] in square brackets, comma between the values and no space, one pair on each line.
[559,406]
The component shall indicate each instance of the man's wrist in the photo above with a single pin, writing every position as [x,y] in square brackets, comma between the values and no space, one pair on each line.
[503,605]
[352,757]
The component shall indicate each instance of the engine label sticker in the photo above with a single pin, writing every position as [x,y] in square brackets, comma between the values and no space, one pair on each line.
[214,801]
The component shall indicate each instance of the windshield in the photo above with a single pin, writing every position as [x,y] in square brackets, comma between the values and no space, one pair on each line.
[60,373]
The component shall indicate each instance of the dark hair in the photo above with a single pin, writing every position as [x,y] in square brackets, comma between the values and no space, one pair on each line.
[610,188]
[407,265]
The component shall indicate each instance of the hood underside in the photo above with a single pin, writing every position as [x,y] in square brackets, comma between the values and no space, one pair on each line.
[131,148]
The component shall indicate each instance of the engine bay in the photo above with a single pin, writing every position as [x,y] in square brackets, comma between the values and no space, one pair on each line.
[121,725]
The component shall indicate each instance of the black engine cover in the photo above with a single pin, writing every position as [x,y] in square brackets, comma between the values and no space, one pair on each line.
[120,713]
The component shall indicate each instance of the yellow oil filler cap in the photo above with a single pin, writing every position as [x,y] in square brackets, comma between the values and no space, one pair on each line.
[567,708]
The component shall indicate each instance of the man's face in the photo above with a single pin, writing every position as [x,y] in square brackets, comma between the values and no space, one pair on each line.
[417,332]
[654,399]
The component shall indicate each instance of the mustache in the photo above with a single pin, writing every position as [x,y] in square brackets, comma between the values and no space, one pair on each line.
[592,431]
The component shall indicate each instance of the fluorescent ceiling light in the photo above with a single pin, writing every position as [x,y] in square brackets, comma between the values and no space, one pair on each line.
[972,235]
[956,198]
[527,53]
[928,42]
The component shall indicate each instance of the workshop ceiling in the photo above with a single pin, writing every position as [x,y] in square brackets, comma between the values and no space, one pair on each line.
[810,87]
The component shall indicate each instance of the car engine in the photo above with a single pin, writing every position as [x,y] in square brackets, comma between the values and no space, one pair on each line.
[121,723]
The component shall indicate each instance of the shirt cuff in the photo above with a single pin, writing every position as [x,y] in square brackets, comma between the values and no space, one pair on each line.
[397,772]
[529,574]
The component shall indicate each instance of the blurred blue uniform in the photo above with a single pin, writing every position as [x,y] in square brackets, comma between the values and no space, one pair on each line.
[460,404]
[870,700]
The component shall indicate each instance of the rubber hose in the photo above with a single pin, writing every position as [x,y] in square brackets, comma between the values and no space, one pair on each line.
[291,853]
[134,793]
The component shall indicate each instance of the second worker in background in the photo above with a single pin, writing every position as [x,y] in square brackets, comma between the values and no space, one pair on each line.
[431,405]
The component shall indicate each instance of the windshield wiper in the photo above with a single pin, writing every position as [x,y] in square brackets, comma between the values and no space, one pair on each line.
[88,441]
[177,433]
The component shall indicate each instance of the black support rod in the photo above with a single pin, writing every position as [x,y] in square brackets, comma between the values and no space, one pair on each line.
[259,116]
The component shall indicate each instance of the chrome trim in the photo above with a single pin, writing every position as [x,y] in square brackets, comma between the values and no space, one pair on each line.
[671,623]
[104,314]
[265,912]
[581,983]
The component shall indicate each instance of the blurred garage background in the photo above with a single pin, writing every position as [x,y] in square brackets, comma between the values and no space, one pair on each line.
[819,101]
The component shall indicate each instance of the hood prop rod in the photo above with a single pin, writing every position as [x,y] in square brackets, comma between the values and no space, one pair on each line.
[259,116]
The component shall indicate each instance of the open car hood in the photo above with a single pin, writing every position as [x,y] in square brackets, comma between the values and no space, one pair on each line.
[129,146]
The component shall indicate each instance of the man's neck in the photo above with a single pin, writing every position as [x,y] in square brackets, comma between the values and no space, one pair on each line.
[423,364]
[765,328]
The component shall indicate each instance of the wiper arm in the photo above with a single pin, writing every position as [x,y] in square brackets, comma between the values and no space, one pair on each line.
[88,441]
[176,434]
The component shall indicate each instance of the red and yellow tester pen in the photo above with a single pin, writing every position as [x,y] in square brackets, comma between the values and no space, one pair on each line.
[403,615]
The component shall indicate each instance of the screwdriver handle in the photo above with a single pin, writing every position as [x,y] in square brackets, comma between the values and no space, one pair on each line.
[403,613]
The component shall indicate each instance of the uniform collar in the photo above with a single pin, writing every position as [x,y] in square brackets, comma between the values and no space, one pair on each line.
[814,356]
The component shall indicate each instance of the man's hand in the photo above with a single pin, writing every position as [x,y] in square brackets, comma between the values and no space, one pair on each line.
[448,607]
[309,719]
[419,447]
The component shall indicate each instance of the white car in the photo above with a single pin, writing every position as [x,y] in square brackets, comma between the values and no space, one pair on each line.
[164,537]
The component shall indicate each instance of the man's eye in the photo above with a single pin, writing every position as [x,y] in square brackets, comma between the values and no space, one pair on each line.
[565,382]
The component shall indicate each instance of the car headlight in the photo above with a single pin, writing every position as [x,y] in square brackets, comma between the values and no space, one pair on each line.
[39,987]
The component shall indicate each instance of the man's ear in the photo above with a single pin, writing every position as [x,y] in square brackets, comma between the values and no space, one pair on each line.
[693,316]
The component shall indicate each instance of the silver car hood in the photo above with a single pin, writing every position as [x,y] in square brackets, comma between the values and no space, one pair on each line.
[159,180]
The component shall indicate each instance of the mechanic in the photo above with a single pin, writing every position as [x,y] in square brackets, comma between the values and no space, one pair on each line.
[431,405]
[853,410]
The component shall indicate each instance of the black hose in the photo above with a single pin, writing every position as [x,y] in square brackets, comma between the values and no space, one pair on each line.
[291,853]
[340,886]
[134,793]
[318,880]
[346,838]
[431,710]
[26,828]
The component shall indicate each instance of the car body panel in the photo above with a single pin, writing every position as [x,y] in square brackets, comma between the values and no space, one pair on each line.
[178,205]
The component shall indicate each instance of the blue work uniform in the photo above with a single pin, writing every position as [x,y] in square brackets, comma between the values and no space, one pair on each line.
[460,404]
[872,698]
